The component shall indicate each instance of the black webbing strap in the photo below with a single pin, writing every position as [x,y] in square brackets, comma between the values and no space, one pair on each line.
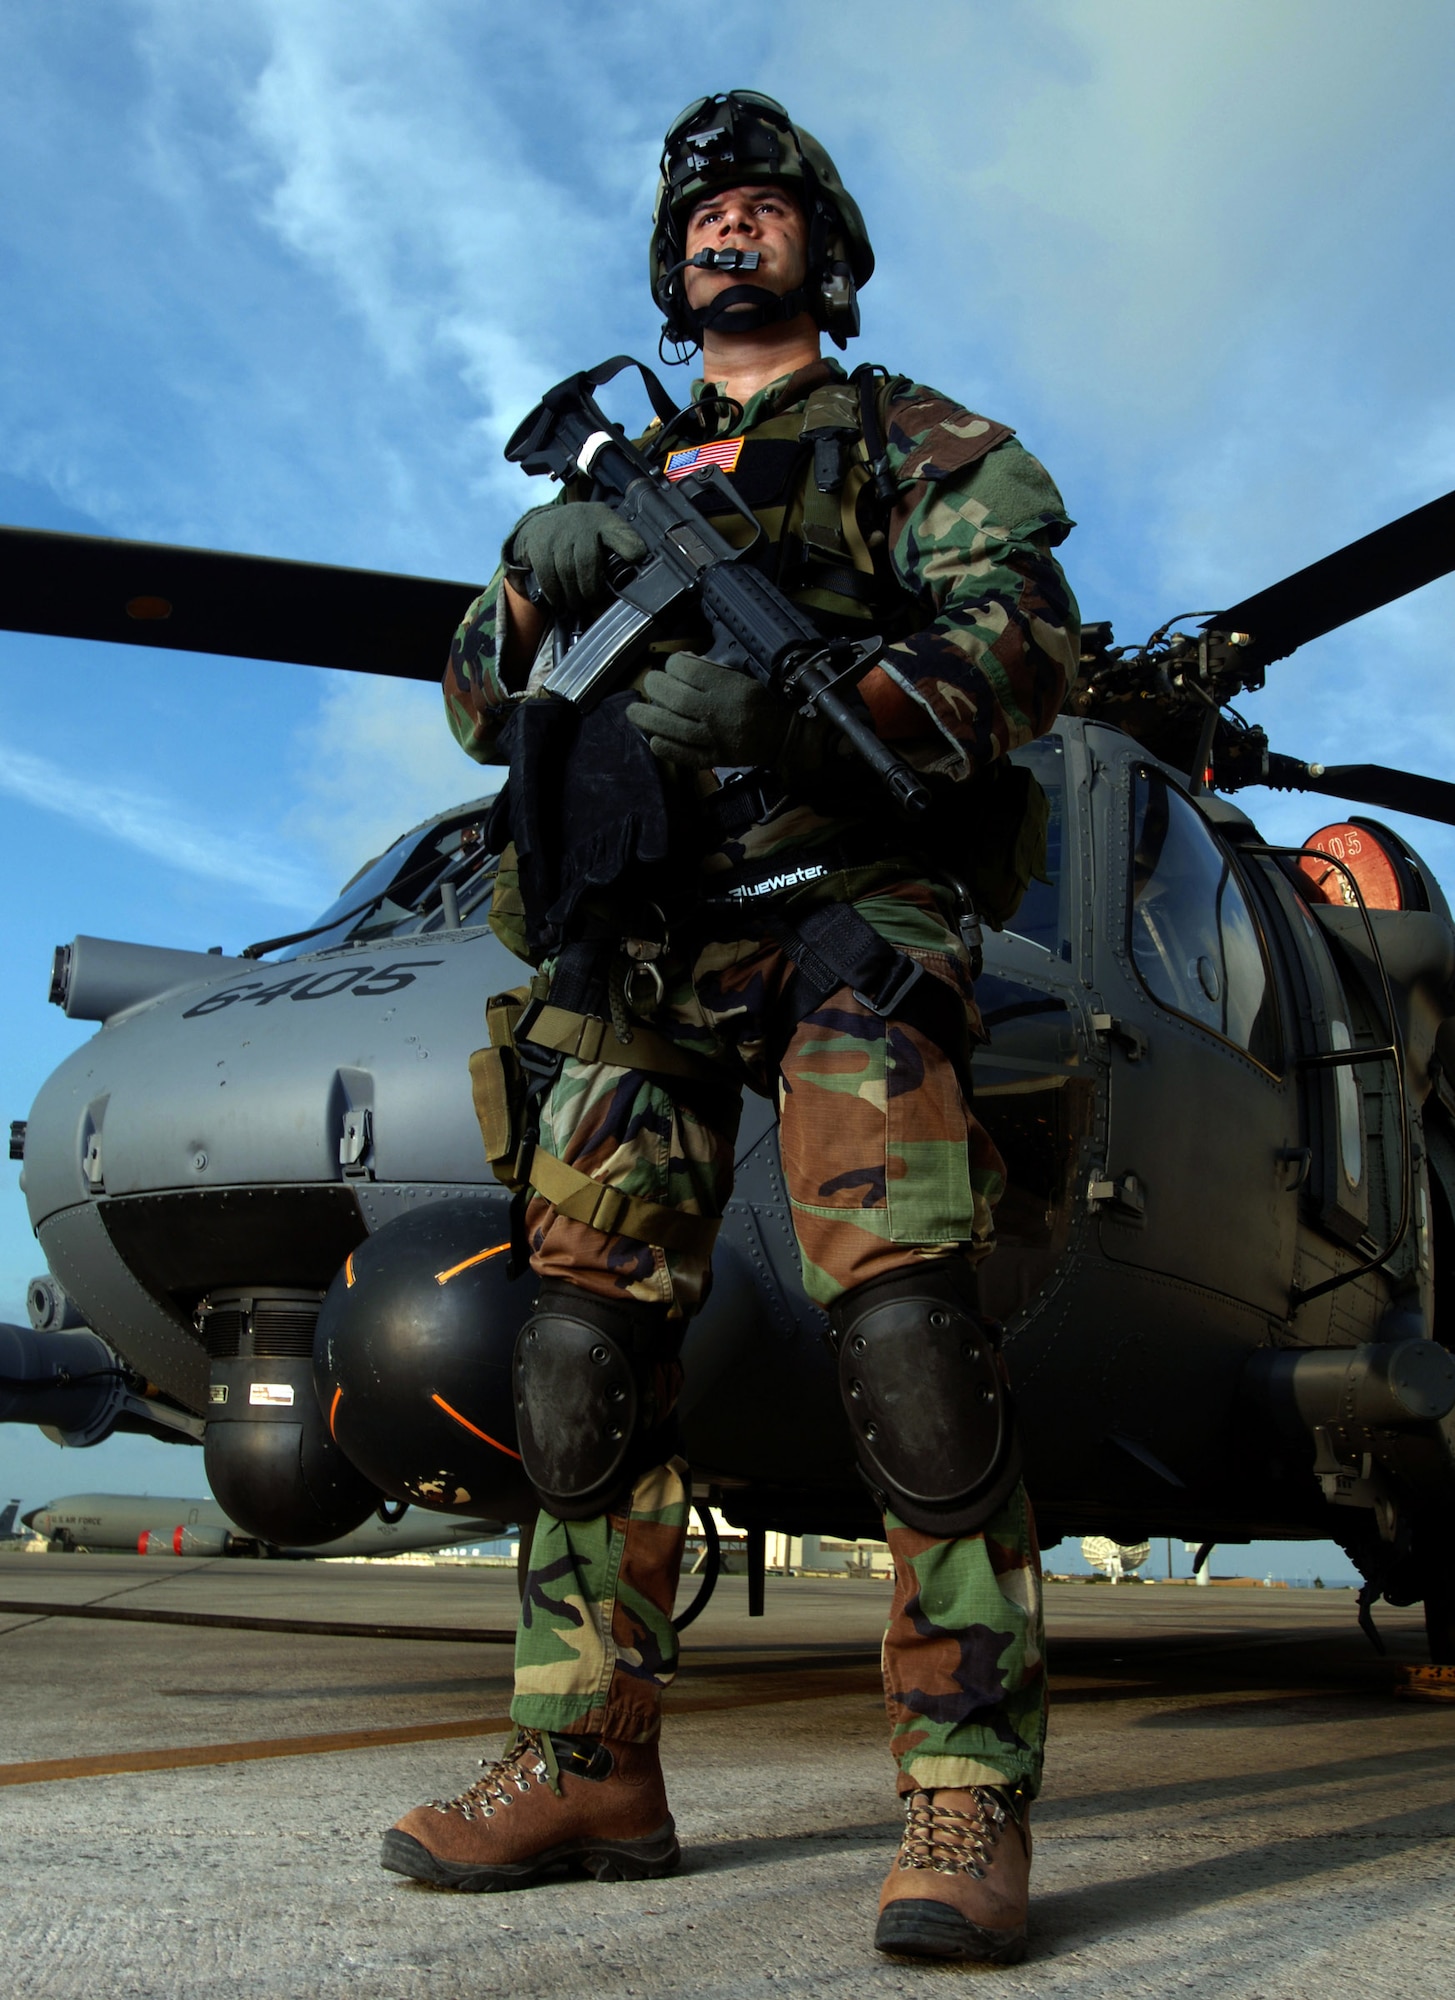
[833,946]
[607,371]
[727,894]
[740,803]
[866,379]
[817,572]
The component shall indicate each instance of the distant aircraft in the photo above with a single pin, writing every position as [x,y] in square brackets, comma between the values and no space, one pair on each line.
[7,1523]
[157,1525]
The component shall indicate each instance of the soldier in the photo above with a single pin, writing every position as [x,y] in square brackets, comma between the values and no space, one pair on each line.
[813,950]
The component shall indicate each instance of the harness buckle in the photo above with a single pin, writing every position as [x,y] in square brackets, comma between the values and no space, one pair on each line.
[903,976]
[742,802]
[540,1064]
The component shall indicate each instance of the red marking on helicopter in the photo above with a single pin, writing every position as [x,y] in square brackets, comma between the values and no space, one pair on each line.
[474,1427]
[443,1277]
[333,1406]
[148,610]
[1368,859]
[349,1270]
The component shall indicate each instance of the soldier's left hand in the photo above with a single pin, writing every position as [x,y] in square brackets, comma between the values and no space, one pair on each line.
[700,713]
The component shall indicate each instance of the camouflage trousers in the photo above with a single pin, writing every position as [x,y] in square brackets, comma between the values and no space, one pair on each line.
[883,1158]
[885,1164]
[963,1655]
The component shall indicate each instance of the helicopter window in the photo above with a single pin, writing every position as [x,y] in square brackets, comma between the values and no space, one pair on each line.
[1039,917]
[1194,941]
[409,889]
[1351,1146]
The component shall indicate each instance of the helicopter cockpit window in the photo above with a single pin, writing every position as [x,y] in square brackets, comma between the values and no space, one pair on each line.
[1194,941]
[438,877]
[1041,916]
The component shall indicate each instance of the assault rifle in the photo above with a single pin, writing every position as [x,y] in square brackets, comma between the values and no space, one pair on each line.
[755,628]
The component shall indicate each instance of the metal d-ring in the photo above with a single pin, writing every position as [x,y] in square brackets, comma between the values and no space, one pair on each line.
[638,969]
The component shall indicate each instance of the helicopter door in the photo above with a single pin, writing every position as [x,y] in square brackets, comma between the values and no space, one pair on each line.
[1330,1019]
[1201,1118]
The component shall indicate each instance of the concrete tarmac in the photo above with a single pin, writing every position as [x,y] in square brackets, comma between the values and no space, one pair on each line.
[1237,1803]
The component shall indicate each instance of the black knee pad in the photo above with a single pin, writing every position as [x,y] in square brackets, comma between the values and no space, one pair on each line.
[932,1419]
[586,1398]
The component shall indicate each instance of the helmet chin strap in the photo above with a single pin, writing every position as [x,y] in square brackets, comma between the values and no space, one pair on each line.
[750,306]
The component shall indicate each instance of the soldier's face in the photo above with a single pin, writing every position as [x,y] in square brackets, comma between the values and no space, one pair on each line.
[758,218]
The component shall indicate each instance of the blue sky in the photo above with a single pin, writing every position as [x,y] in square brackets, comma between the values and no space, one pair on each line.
[280,276]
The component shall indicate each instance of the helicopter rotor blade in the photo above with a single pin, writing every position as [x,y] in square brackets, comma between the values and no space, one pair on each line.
[248,607]
[1369,784]
[1394,560]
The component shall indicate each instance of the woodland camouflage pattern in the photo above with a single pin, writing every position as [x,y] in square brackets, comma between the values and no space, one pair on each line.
[884,1160]
[964,1653]
[969,541]
[882,1157]
[595,1646]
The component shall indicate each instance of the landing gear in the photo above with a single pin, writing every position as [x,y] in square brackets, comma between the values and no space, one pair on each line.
[1418,1566]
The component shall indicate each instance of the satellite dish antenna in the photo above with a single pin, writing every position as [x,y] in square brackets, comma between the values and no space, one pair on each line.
[1114,1559]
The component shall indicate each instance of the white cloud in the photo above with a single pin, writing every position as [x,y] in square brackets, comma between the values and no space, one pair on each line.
[377,759]
[1121,201]
[382,146]
[161,829]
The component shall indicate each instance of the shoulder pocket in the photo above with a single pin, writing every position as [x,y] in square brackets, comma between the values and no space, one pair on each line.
[933,437]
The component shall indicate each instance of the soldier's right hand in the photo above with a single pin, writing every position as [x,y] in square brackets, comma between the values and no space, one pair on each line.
[569,548]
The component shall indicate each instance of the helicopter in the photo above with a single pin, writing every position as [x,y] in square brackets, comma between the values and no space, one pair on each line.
[1221,1073]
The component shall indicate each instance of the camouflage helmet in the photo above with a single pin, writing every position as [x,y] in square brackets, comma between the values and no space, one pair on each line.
[740,136]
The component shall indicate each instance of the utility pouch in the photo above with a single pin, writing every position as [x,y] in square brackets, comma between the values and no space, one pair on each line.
[507,909]
[500,1087]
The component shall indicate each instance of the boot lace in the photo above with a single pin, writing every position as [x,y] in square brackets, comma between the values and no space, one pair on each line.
[951,1841]
[527,1762]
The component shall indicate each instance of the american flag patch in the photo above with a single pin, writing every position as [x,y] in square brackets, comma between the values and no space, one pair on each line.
[695,458]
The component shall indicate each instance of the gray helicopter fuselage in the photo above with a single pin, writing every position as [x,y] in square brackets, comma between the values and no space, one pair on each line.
[1178,1172]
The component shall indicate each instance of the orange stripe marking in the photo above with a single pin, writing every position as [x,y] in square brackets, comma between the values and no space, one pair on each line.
[349,1269]
[443,1277]
[473,1427]
[333,1412]
[793,1684]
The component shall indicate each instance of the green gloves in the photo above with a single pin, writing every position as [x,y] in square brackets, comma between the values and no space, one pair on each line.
[699,713]
[568,547]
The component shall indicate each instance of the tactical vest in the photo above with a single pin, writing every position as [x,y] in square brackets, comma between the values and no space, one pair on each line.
[808,476]
[805,474]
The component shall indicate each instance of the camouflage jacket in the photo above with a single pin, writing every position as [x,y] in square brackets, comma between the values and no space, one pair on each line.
[988,629]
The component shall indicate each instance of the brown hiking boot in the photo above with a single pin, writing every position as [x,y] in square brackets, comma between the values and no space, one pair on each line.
[958,1885]
[550,1802]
